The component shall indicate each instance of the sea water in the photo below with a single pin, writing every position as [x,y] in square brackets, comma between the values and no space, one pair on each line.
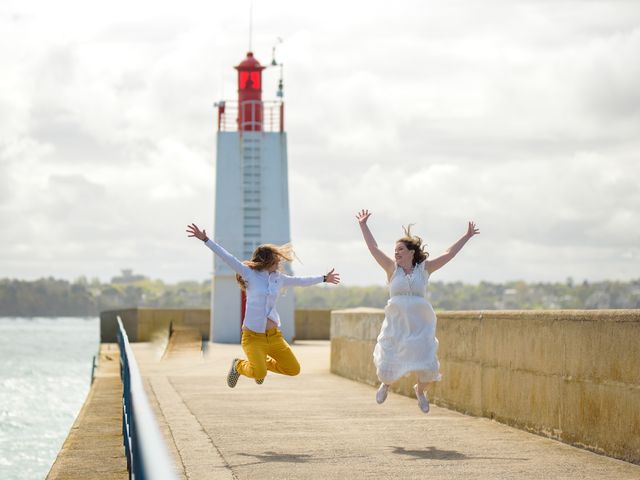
[45,375]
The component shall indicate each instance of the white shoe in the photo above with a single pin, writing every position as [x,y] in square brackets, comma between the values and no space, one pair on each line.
[423,400]
[381,394]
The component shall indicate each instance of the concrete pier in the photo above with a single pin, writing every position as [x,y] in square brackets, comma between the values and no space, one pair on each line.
[93,449]
[317,425]
[322,426]
[571,375]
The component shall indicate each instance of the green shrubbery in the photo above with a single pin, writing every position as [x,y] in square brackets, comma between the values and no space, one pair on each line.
[54,298]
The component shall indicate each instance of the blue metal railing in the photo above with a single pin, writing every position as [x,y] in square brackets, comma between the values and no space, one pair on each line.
[147,454]
[93,369]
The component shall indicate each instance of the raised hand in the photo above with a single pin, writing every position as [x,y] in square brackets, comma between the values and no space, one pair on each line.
[332,277]
[194,231]
[363,216]
[472,230]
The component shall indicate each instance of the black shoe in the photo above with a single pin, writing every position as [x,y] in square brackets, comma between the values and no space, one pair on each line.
[259,381]
[233,375]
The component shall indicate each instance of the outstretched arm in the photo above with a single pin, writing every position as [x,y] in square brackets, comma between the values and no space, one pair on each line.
[290,281]
[383,260]
[439,262]
[235,264]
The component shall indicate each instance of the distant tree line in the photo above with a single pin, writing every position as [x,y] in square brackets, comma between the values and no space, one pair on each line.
[52,297]
[517,295]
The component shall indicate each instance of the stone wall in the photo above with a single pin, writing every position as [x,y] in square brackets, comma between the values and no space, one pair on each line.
[312,324]
[142,323]
[573,375]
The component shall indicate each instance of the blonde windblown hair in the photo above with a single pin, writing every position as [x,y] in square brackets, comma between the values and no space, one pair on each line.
[266,256]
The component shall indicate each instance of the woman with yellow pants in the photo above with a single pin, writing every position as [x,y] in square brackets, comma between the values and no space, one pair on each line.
[262,279]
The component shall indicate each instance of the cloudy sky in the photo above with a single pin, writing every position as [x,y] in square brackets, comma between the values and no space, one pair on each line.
[524,116]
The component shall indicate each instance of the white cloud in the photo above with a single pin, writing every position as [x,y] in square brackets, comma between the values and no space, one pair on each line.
[520,116]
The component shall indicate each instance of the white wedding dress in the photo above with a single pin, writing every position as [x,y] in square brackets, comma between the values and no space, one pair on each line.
[407,341]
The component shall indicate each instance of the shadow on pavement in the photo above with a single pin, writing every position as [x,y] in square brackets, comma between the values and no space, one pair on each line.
[433,453]
[267,457]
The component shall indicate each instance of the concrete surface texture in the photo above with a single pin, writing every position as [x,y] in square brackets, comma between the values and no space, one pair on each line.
[93,449]
[312,324]
[182,340]
[322,426]
[572,375]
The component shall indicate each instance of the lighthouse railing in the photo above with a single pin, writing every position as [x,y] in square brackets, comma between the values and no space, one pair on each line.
[252,115]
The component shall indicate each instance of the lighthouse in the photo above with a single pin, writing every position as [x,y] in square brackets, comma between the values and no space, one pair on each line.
[252,195]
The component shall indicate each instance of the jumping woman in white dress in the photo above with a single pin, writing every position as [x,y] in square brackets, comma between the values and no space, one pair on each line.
[407,341]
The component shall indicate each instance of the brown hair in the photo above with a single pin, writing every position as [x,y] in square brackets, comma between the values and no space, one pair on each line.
[413,242]
[266,256]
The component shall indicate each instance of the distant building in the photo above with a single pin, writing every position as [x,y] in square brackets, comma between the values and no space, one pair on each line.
[128,277]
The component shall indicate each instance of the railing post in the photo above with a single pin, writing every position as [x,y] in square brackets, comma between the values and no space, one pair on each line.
[93,369]
[281,117]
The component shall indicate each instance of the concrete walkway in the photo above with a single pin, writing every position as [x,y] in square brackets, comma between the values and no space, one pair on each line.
[93,449]
[321,426]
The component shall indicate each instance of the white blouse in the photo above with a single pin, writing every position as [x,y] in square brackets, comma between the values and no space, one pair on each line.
[262,289]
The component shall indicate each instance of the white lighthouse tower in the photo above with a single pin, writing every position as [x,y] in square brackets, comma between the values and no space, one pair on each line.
[252,195]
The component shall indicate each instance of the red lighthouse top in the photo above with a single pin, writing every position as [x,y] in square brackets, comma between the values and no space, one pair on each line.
[253,114]
[250,94]
[249,63]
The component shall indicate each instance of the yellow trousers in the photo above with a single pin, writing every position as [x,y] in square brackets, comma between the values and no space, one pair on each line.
[266,351]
